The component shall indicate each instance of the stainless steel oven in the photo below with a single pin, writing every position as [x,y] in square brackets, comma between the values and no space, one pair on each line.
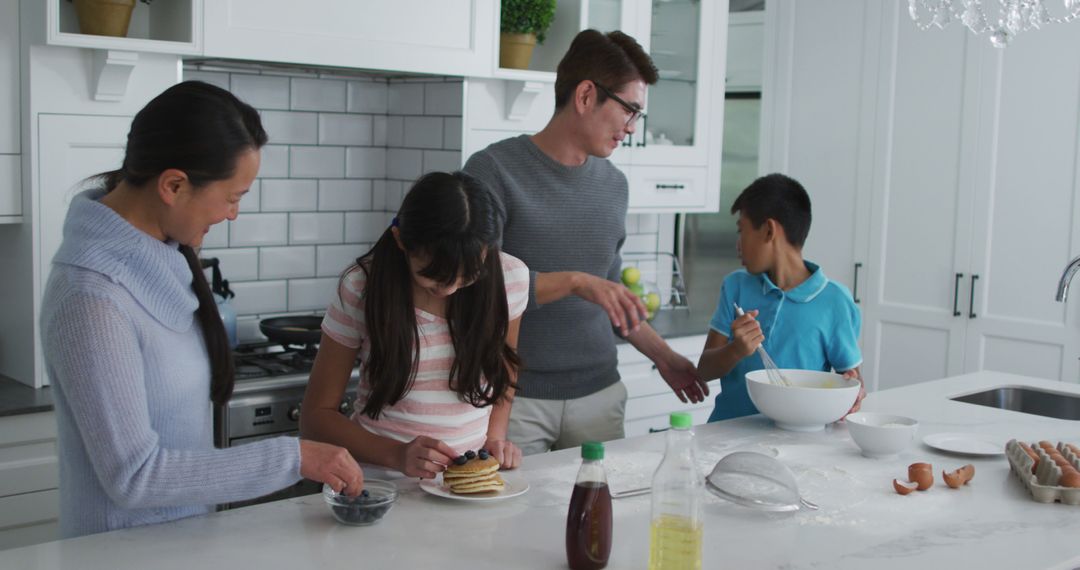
[270,383]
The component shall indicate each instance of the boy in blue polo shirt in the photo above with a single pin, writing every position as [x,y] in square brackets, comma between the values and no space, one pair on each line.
[804,320]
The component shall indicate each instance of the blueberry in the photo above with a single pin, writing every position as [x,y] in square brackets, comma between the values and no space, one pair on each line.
[470,454]
[484,451]
[483,455]
[460,460]
[365,493]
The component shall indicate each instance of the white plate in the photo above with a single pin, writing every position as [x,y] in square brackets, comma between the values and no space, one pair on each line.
[515,485]
[965,443]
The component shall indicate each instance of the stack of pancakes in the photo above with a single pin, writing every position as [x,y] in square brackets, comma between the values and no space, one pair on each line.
[475,476]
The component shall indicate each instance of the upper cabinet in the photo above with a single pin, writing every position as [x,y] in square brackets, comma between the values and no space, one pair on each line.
[446,37]
[745,49]
[166,26]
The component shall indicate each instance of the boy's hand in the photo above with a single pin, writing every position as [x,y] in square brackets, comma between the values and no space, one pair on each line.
[746,334]
[854,373]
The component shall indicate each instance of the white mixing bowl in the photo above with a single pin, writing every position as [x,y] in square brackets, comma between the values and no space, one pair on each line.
[881,435]
[814,398]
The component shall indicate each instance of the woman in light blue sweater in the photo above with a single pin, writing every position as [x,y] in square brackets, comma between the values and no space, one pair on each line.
[133,343]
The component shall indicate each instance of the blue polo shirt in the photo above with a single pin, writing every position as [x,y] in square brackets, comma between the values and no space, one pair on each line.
[814,326]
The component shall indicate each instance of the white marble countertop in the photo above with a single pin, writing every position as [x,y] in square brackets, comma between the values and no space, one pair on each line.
[862,523]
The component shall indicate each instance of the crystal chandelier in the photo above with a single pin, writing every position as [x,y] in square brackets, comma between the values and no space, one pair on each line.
[1013,16]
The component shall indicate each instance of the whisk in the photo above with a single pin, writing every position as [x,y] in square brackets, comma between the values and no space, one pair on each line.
[775,376]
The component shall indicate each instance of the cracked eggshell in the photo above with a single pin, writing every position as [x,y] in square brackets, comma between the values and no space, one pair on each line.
[923,474]
[904,487]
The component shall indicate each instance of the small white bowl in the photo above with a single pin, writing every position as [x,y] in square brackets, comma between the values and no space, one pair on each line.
[881,435]
[813,400]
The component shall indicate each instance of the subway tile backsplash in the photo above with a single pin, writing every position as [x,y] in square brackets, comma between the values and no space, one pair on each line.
[342,153]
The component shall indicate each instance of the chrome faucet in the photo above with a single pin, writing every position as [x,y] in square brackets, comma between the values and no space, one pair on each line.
[1066,277]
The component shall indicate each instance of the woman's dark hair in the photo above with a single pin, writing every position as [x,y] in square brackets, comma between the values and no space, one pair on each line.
[781,198]
[201,130]
[612,60]
[453,220]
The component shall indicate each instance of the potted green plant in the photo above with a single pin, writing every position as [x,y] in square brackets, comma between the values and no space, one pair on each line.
[104,17]
[523,24]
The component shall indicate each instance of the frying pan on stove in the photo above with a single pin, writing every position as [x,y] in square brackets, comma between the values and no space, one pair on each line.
[301,330]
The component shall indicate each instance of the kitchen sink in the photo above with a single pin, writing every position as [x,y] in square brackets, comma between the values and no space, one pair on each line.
[1027,401]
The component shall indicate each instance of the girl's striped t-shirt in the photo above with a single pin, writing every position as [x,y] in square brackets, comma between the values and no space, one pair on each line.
[430,408]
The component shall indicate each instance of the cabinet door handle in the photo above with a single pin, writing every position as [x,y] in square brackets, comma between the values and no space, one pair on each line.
[644,127]
[662,186]
[855,283]
[956,295]
[628,141]
[971,299]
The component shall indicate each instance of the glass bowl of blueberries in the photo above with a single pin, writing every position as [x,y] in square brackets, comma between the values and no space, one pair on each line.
[369,507]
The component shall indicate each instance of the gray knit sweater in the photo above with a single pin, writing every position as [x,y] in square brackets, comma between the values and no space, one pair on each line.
[131,381]
[560,218]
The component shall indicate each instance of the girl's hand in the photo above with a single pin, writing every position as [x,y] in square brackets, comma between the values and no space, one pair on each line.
[508,454]
[424,457]
[332,465]
[746,334]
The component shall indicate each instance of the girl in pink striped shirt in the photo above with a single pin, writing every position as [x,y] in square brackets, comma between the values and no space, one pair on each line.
[432,311]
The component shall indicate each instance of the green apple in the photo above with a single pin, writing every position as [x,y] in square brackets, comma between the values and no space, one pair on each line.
[650,315]
[630,276]
[652,302]
[636,289]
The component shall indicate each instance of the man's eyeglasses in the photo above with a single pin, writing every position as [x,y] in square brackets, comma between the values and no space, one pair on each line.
[635,111]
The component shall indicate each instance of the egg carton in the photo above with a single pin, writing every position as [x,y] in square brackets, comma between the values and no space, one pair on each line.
[1043,483]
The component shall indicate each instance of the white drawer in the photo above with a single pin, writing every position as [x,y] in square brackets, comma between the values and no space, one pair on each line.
[28,468]
[28,535]
[668,187]
[27,428]
[29,508]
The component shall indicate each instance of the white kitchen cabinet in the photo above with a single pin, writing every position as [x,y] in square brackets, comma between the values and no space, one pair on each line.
[71,148]
[443,37]
[649,400]
[816,72]
[10,97]
[161,27]
[745,49]
[28,479]
[974,206]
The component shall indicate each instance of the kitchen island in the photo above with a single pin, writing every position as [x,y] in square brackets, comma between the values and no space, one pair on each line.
[862,522]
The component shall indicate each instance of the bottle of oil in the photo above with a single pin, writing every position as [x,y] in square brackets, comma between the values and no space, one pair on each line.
[675,537]
[588,522]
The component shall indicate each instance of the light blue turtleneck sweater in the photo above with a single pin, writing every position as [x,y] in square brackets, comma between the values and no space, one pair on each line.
[131,381]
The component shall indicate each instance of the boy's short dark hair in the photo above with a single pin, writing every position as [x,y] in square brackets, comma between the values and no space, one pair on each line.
[612,60]
[781,198]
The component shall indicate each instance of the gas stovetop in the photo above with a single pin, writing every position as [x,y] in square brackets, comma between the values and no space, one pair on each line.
[262,365]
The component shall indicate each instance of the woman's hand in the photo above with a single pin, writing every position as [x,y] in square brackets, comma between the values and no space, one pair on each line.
[854,373]
[332,465]
[625,309]
[508,454]
[746,334]
[424,457]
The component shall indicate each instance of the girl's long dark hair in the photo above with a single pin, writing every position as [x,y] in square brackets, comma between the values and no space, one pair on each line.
[202,130]
[453,220]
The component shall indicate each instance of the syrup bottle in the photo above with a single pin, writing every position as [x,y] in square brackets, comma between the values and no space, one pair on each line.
[588,522]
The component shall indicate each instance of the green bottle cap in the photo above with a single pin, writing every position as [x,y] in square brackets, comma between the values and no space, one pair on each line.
[592,450]
[681,420]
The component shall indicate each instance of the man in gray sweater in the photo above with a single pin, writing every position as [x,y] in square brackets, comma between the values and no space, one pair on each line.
[566,219]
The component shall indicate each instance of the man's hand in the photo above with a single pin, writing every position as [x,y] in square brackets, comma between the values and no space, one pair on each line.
[624,308]
[682,376]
